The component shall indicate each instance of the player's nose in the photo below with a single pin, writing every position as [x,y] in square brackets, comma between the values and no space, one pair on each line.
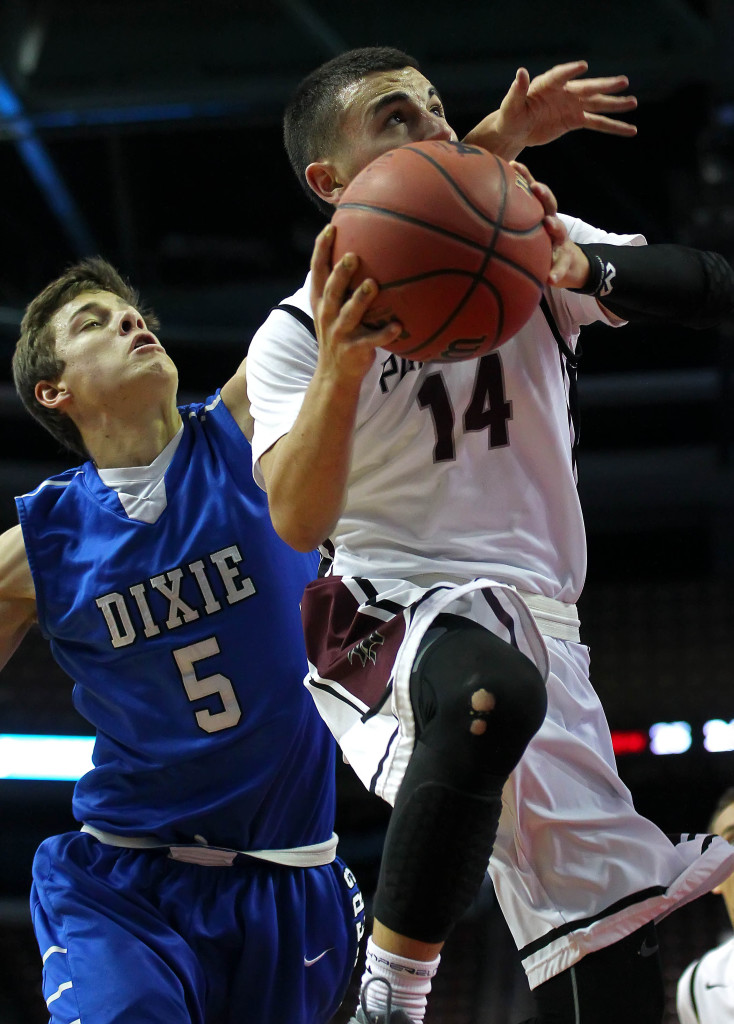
[435,129]
[130,320]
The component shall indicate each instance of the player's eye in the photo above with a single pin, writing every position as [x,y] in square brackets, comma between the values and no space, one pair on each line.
[91,323]
[437,109]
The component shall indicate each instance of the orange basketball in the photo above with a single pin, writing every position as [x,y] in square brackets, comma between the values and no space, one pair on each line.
[455,239]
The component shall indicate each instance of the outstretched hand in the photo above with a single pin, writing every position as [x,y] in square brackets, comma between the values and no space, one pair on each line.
[539,110]
[569,265]
[346,345]
[558,101]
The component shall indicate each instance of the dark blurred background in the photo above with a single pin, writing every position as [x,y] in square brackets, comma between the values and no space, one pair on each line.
[149,131]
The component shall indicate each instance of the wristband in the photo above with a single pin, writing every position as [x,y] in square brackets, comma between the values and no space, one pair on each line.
[596,273]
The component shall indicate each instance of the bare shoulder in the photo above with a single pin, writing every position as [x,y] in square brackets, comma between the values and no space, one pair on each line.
[16,581]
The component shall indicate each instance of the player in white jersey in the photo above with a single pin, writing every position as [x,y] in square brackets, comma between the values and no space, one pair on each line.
[706,988]
[447,622]
[526,399]
[203,886]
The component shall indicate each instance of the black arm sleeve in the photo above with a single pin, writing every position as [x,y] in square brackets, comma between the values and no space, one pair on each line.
[661,283]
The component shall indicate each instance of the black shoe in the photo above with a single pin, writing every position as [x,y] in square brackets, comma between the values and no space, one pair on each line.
[390,1016]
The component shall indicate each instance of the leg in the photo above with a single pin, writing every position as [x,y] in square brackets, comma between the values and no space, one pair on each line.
[109,955]
[130,935]
[477,702]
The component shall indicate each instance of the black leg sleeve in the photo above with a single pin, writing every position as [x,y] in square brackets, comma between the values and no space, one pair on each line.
[478,702]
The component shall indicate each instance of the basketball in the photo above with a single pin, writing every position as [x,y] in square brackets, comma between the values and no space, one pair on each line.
[454,237]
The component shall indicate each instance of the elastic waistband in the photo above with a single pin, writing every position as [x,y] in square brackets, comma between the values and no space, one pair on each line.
[201,852]
[554,618]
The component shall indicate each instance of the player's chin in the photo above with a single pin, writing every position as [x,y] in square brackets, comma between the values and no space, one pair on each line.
[160,368]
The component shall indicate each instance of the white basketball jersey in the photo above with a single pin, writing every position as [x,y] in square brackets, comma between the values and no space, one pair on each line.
[705,991]
[459,469]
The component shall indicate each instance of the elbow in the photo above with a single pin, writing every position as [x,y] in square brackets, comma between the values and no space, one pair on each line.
[300,535]
[300,541]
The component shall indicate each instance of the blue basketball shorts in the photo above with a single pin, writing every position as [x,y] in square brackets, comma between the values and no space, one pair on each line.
[131,935]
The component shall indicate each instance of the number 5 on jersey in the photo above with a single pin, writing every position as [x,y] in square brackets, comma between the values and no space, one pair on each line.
[207,686]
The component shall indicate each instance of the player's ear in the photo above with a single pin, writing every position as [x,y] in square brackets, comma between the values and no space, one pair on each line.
[323,180]
[52,395]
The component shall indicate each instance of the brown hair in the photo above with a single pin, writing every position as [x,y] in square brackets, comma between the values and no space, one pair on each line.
[312,117]
[35,356]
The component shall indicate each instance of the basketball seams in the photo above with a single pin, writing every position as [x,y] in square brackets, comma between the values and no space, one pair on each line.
[413,352]
[445,232]
[462,195]
[479,275]
[488,250]
[454,237]
[459,272]
[432,246]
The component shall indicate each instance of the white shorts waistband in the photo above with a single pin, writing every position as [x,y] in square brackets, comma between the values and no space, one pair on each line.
[554,618]
[312,856]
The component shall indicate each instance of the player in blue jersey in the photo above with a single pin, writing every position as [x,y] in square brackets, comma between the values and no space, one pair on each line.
[203,886]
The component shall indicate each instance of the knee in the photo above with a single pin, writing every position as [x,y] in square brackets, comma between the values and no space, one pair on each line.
[476,694]
[507,691]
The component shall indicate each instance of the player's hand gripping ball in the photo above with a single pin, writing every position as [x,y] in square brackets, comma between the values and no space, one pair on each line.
[455,239]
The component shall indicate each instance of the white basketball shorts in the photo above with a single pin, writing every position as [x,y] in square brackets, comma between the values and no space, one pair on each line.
[575,867]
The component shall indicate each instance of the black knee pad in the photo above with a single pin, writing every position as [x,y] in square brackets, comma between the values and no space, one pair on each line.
[436,853]
[477,699]
[477,703]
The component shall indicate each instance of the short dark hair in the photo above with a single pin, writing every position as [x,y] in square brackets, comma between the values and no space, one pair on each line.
[726,798]
[35,356]
[311,120]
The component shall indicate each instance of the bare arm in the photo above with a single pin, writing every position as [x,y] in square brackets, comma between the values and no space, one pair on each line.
[234,396]
[542,109]
[17,596]
[306,471]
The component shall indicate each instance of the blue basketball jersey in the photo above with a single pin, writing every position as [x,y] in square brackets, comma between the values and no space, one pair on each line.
[184,641]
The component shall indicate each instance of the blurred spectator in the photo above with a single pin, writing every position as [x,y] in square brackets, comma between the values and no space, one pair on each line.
[706,987]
